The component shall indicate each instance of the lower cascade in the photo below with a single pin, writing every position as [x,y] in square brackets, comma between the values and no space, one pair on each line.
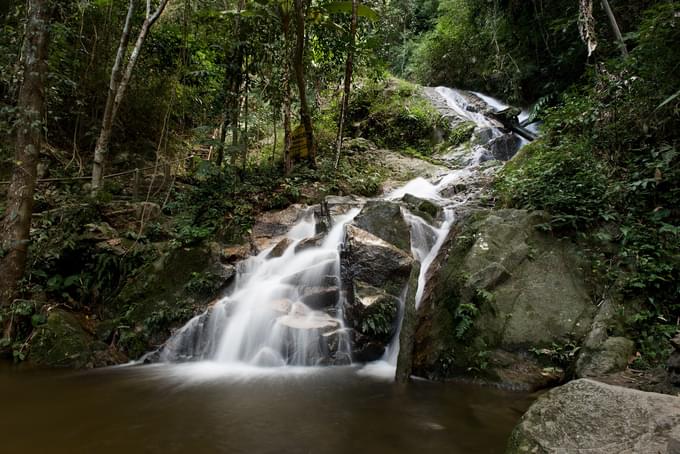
[332,290]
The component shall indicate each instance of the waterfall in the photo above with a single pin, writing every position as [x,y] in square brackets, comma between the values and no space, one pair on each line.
[285,307]
[271,318]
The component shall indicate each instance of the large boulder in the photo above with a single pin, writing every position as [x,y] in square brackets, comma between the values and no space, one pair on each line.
[67,340]
[374,274]
[373,261]
[384,220]
[500,286]
[586,416]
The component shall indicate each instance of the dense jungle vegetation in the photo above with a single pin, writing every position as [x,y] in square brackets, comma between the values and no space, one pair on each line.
[156,127]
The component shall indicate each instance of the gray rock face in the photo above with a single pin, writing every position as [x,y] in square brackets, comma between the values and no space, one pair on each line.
[601,354]
[499,284]
[271,227]
[374,273]
[384,220]
[588,417]
[375,262]
[610,356]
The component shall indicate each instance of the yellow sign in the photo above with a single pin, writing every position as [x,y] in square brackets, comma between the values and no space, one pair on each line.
[298,146]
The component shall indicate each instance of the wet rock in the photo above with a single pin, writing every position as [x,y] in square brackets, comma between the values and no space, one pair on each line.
[421,207]
[339,205]
[323,274]
[233,253]
[319,298]
[271,227]
[309,243]
[499,285]
[384,220]
[586,416]
[334,341]
[314,321]
[373,315]
[367,350]
[280,248]
[504,147]
[374,261]
[408,327]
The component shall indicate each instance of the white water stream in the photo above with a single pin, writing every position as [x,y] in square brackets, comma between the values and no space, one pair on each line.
[288,310]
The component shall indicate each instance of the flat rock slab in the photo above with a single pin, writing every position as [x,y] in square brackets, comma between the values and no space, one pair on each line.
[589,417]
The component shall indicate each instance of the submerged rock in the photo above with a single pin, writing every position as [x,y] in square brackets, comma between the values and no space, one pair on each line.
[321,297]
[586,416]
[280,248]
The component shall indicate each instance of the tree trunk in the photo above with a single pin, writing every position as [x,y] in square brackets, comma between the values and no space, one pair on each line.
[118,85]
[615,28]
[16,222]
[244,150]
[298,63]
[102,146]
[348,81]
[287,135]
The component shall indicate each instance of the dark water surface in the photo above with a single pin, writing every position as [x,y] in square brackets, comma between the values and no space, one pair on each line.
[206,408]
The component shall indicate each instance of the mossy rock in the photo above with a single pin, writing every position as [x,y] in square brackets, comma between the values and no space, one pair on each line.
[421,207]
[384,220]
[165,295]
[461,133]
[499,283]
[63,342]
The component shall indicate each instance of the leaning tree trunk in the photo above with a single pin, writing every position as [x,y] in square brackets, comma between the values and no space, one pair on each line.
[615,28]
[16,222]
[348,81]
[118,85]
[298,62]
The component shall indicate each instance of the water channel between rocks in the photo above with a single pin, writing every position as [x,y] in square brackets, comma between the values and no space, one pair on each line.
[248,375]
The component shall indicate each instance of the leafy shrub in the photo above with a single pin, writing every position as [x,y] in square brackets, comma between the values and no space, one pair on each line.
[393,115]
[608,169]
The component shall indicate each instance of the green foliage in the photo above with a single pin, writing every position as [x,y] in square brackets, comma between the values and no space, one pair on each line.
[377,320]
[565,179]
[461,133]
[464,317]
[203,284]
[393,115]
[608,170]
[509,49]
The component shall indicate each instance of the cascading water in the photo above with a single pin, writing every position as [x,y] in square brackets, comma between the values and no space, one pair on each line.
[271,317]
[286,304]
